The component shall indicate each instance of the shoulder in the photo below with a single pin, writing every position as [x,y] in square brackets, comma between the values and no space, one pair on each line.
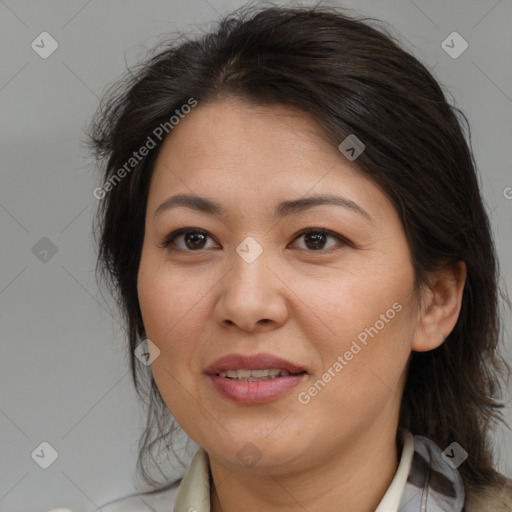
[159,502]
[491,498]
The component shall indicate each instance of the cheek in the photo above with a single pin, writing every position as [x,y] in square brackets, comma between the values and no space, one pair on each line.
[169,311]
[168,299]
[172,306]
[360,381]
[369,300]
[367,320]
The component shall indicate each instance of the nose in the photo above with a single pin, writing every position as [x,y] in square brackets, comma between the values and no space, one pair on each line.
[252,296]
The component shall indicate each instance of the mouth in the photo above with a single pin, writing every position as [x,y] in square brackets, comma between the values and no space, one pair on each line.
[243,366]
[256,375]
[254,379]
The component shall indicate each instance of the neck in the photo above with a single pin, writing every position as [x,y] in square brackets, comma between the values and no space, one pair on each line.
[355,477]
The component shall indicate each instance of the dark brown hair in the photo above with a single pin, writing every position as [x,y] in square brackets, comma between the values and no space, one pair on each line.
[352,78]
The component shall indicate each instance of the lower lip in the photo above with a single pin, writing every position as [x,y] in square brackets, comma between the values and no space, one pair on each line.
[255,392]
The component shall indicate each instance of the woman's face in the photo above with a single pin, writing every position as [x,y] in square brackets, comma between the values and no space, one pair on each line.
[248,281]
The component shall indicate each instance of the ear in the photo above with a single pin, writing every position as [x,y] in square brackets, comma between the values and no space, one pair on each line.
[440,306]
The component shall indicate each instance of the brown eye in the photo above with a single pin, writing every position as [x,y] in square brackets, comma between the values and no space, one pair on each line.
[191,239]
[194,240]
[316,239]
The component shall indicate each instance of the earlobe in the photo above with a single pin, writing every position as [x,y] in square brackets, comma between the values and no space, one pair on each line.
[441,304]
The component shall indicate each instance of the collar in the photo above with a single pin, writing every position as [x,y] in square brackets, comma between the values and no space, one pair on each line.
[424,480]
[391,500]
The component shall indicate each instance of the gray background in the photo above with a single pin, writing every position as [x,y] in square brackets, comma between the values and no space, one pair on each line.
[64,372]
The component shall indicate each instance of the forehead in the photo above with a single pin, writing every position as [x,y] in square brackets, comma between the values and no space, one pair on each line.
[253,155]
[232,130]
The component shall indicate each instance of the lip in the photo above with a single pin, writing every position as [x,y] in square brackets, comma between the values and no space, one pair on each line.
[255,392]
[252,362]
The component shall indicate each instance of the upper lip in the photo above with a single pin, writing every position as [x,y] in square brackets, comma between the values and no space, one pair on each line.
[252,362]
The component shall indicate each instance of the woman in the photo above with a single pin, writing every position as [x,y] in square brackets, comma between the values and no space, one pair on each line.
[291,219]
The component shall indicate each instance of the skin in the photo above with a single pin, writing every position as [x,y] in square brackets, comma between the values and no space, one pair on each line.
[301,304]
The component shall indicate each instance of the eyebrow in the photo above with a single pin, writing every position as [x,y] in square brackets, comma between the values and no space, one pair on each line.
[283,209]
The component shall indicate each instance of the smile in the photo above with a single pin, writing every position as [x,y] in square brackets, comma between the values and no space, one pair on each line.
[254,375]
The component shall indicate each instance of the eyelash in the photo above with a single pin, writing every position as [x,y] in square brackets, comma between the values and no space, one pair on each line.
[183,231]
